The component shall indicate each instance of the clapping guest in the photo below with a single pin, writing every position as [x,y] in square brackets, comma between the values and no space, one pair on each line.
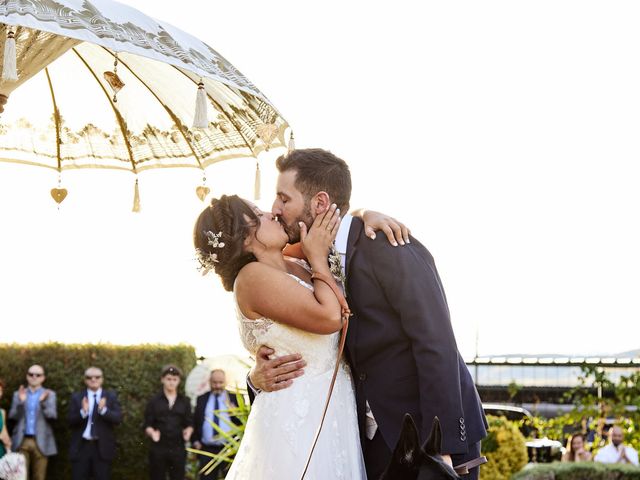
[169,424]
[212,409]
[5,441]
[33,408]
[93,414]
[576,449]
[617,451]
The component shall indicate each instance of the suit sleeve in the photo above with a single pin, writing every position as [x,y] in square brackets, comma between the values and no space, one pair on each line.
[198,418]
[412,287]
[49,407]
[114,411]
[73,416]
[17,408]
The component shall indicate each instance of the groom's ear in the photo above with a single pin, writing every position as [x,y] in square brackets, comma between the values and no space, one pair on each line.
[320,203]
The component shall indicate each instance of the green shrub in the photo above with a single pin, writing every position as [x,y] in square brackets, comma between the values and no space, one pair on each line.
[579,471]
[233,436]
[133,371]
[504,447]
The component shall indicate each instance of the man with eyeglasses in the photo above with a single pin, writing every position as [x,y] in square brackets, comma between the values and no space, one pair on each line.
[32,408]
[93,414]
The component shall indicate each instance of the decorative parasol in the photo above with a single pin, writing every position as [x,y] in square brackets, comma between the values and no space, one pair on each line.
[98,84]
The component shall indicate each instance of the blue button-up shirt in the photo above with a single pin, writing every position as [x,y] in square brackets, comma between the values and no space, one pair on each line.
[209,435]
[31,410]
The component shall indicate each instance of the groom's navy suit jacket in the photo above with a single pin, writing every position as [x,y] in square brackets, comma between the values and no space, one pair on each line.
[401,345]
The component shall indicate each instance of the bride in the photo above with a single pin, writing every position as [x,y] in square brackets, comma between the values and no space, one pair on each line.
[279,304]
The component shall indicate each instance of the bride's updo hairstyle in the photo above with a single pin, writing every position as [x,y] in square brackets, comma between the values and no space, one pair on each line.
[218,236]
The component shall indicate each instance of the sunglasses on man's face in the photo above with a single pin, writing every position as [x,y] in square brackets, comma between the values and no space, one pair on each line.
[92,377]
[34,374]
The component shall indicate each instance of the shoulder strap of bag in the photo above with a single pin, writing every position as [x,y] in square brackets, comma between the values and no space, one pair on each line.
[346,312]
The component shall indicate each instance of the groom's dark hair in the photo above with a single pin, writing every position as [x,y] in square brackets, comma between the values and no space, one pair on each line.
[319,170]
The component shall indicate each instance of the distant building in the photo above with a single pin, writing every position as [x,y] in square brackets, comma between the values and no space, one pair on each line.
[535,379]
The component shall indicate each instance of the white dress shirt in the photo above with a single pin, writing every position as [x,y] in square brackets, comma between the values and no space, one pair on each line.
[209,435]
[94,399]
[341,246]
[610,454]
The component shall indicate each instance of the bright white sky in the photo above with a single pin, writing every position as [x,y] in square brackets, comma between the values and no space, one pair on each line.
[505,133]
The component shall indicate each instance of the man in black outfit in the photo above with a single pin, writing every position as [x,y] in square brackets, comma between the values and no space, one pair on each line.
[169,424]
[93,414]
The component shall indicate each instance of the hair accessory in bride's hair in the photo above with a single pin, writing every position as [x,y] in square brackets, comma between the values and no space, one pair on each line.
[208,260]
[214,239]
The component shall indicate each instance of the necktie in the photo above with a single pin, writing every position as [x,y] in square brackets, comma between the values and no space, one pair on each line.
[94,416]
[216,407]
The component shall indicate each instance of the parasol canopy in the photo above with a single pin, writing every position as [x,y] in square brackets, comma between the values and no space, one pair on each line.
[101,85]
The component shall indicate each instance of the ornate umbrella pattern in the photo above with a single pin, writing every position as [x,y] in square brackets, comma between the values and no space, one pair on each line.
[101,85]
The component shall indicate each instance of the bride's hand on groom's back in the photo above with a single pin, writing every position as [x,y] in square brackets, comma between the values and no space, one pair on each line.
[396,231]
[270,375]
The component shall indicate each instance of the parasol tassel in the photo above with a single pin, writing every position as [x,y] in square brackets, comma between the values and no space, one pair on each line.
[200,119]
[292,142]
[9,66]
[136,198]
[256,186]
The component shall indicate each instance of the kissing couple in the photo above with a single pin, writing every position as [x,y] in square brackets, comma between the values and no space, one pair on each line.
[400,357]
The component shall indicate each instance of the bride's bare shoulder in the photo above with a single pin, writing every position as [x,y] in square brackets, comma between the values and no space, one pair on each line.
[253,271]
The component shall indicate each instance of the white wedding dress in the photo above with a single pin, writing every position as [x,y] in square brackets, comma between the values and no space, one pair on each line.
[282,424]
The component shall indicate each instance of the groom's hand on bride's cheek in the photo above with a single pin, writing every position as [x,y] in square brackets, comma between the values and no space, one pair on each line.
[274,374]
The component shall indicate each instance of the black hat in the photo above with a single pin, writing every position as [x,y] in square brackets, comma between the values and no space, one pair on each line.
[171,370]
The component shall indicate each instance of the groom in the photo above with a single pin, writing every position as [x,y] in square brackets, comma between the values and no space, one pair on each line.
[400,344]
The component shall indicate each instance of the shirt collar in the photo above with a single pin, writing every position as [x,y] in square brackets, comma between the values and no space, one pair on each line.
[91,392]
[343,235]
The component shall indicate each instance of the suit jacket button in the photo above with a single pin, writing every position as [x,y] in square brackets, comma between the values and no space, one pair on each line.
[363,376]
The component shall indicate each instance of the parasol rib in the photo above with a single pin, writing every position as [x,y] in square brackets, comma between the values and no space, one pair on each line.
[120,120]
[56,119]
[170,112]
[221,110]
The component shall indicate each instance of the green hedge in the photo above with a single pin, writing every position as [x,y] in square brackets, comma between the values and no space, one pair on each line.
[133,371]
[579,471]
[504,447]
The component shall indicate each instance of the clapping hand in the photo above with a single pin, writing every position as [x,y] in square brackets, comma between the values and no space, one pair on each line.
[85,405]
[22,393]
[102,403]
[623,454]
[44,395]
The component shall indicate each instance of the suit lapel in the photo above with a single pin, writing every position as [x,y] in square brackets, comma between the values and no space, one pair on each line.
[355,232]
[354,236]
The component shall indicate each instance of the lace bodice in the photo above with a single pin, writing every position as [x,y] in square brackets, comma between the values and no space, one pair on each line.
[319,351]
